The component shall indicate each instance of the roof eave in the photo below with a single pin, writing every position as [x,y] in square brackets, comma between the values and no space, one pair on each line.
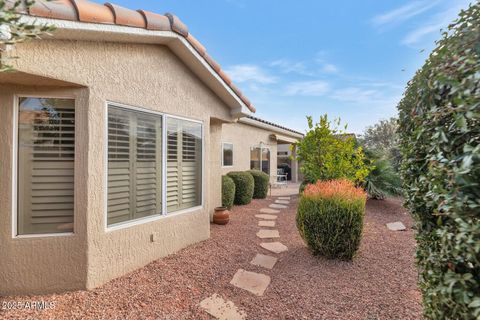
[74,30]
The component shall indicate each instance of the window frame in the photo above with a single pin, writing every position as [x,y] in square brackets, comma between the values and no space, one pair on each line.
[260,159]
[15,176]
[164,214]
[223,160]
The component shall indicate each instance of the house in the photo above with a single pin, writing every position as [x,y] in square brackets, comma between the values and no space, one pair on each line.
[110,144]
[253,143]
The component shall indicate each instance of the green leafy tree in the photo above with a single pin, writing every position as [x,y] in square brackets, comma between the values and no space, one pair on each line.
[327,153]
[13,30]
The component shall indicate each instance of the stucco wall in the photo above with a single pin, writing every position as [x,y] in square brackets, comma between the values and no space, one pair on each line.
[147,76]
[244,137]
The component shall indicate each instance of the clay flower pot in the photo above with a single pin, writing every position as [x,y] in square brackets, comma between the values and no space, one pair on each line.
[221,215]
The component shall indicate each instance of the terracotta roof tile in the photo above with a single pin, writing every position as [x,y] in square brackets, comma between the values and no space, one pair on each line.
[127,17]
[177,25]
[93,12]
[156,21]
[60,9]
[86,11]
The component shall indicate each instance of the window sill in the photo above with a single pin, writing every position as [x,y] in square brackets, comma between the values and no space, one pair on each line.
[43,235]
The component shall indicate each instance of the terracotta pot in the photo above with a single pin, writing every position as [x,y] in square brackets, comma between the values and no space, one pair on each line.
[221,215]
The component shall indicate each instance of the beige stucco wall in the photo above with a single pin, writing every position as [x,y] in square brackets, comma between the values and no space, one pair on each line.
[244,137]
[147,76]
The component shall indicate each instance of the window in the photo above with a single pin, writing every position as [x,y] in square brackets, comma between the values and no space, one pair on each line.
[184,164]
[46,154]
[260,159]
[134,165]
[227,155]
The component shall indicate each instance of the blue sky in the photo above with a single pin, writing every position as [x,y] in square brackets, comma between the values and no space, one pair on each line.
[347,58]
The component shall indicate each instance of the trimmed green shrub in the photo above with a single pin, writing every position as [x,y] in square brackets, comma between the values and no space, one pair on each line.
[228,191]
[244,185]
[439,129]
[261,180]
[330,218]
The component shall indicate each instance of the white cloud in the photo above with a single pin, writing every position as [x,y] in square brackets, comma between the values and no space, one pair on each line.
[329,68]
[287,66]
[353,94]
[250,73]
[307,88]
[433,25]
[403,13]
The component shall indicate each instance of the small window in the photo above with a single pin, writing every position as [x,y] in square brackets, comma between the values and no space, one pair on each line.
[46,154]
[134,165]
[227,155]
[184,164]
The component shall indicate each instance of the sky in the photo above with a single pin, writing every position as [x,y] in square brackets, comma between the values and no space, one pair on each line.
[350,59]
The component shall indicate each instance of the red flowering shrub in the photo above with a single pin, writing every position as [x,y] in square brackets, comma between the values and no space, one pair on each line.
[330,218]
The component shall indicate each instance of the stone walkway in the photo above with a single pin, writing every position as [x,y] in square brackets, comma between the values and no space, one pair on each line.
[253,282]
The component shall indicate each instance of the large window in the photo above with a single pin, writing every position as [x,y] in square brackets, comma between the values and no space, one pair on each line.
[227,154]
[260,159]
[134,165]
[184,164]
[46,153]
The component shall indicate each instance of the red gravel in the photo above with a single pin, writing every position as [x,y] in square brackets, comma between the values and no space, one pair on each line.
[379,284]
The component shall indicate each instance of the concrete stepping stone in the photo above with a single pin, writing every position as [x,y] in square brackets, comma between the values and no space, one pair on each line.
[268,234]
[269,211]
[264,261]
[275,247]
[396,226]
[266,216]
[263,223]
[282,201]
[222,309]
[277,206]
[283,198]
[253,282]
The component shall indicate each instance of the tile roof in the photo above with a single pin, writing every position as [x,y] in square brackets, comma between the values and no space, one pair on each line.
[86,11]
[274,124]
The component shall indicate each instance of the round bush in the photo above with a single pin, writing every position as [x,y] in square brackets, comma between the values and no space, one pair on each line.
[228,191]
[330,218]
[439,128]
[244,185]
[261,180]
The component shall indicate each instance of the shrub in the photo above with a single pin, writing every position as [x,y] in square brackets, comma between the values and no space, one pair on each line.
[439,129]
[330,218]
[382,180]
[228,191]
[244,185]
[261,180]
[328,153]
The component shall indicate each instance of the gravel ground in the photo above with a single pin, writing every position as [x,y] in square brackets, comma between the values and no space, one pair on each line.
[379,284]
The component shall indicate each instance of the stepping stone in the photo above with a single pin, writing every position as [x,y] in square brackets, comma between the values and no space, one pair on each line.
[266,216]
[277,206]
[282,201]
[276,247]
[222,309]
[396,226]
[264,261]
[266,223]
[283,198]
[268,234]
[253,282]
[268,210]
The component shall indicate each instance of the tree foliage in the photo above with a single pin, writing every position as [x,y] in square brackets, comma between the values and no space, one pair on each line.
[14,30]
[327,153]
[439,128]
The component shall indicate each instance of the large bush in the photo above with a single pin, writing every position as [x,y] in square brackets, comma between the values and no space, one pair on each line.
[261,179]
[228,191]
[330,218]
[440,143]
[327,153]
[244,186]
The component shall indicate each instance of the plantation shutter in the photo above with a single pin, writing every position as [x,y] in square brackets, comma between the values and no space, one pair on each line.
[134,165]
[184,159]
[46,155]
